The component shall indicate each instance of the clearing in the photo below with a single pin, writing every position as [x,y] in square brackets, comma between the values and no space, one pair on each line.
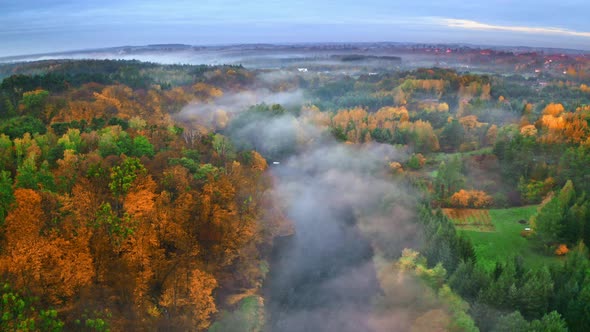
[502,241]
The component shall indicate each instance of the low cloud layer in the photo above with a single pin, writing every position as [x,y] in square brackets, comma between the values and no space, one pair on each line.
[345,206]
[207,113]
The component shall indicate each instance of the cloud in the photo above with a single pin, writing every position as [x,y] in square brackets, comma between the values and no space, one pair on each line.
[474,25]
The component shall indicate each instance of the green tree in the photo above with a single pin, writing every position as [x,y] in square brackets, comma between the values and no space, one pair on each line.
[518,156]
[575,223]
[117,228]
[503,291]
[17,313]
[569,296]
[513,322]
[578,309]
[573,165]
[34,101]
[468,280]
[550,220]
[114,141]
[17,127]
[551,322]
[71,140]
[566,195]
[449,178]
[222,145]
[142,147]
[534,292]
[6,153]
[122,176]
[29,176]
[6,194]
[452,135]
[414,162]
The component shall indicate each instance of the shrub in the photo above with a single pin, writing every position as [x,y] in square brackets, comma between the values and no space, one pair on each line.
[471,198]
[561,250]
[416,161]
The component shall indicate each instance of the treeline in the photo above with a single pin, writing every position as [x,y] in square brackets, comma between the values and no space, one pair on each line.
[58,76]
[512,296]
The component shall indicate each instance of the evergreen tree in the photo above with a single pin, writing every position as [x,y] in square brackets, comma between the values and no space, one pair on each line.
[462,280]
[533,295]
[551,220]
[513,322]
[551,322]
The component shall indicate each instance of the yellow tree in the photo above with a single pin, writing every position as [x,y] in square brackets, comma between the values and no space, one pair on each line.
[188,297]
[53,265]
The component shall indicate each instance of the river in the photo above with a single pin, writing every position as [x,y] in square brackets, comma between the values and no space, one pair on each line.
[322,278]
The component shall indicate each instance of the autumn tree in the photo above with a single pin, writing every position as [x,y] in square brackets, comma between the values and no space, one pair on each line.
[188,297]
[122,177]
[471,198]
[46,264]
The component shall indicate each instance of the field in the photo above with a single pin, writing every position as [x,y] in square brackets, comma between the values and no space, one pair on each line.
[471,219]
[503,241]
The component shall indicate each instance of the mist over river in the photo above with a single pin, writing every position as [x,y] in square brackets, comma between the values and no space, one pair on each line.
[322,277]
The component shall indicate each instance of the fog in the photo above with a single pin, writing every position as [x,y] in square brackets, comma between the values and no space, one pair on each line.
[345,207]
[256,56]
[215,114]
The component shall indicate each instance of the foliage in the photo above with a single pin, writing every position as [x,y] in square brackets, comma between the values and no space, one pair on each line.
[142,147]
[94,321]
[448,178]
[471,198]
[247,317]
[34,101]
[442,244]
[123,176]
[18,126]
[534,191]
[416,161]
[122,217]
[19,314]
[435,278]
[110,216]
[549,222]
[551,322]
[6,194]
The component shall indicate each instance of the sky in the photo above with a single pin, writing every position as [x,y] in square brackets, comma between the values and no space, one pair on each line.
[42,26]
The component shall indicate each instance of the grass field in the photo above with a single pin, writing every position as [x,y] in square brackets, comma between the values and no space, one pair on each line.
[505,241]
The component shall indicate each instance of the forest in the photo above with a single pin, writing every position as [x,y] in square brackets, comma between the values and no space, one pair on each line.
[141,196]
